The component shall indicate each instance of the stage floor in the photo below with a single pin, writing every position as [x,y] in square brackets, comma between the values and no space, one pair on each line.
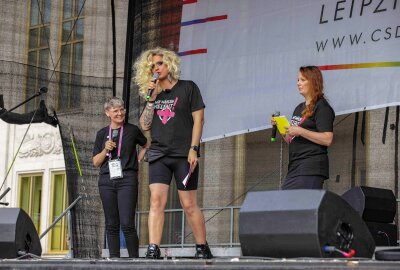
[239,263]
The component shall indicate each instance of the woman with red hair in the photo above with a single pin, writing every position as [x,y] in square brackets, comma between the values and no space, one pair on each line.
[309,134]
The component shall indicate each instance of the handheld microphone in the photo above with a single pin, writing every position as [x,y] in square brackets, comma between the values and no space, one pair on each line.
[273,135]
[113,138]
[114,135]
[150,91]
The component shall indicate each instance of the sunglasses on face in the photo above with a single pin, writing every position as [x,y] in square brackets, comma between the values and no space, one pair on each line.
[157,64]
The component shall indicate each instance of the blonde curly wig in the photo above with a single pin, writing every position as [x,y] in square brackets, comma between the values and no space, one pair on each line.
[143,64]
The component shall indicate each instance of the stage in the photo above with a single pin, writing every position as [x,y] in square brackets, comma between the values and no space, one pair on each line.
[247,263]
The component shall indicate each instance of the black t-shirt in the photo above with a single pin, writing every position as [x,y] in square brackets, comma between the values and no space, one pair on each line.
[171,129]
[307,157]
[130,138]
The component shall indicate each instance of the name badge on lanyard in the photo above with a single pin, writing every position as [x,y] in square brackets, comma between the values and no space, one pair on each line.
[115,169]
[114,165]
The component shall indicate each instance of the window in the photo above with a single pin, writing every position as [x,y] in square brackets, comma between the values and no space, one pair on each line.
[38,50]
[71,54]
[58,241]
[30,196]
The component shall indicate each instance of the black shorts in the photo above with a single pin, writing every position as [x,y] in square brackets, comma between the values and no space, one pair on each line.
[304,182]
[161,171]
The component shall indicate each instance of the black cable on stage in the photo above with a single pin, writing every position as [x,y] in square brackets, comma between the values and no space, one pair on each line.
[363,127]
[19,147]
[342,120]
[385,123]
[354,152]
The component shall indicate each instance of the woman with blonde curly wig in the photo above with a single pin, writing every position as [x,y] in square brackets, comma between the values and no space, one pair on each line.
[174,113]
[144,68]
[310,134]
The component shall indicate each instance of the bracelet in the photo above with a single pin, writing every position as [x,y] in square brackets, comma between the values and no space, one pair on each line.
[150,104]
[151,101]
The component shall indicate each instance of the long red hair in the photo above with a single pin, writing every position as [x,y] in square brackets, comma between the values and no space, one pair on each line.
[314,76]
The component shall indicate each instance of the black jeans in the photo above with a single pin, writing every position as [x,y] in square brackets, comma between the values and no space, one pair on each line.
[119,199]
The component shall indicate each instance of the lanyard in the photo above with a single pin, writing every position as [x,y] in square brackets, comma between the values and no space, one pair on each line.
[119,142]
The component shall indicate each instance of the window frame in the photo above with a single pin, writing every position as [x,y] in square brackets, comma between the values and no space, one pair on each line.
[70,77]
[64,220]
[31,196]
[37,72]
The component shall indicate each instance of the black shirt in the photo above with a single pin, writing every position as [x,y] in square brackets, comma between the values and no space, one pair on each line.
[171,129]
[307,157]
[131,137]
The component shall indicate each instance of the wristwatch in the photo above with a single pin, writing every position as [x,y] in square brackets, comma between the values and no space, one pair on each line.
[195,148]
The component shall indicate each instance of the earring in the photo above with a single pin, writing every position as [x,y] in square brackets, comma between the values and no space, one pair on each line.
[169,77]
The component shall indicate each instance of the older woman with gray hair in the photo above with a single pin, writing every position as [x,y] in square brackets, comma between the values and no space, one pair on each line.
[115,154]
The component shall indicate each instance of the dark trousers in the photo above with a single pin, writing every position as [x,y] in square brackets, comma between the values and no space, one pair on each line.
[119,199]
[304,182]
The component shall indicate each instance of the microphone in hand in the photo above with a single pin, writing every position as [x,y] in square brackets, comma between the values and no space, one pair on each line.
[150,91]
[114,135]
[273,135]
[113,139]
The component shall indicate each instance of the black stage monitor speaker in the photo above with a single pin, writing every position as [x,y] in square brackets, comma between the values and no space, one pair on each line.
[384,234]
[373,204]
[301,223]
[18,235]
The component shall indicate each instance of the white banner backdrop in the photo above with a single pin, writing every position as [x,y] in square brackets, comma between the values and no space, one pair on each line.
[249,53]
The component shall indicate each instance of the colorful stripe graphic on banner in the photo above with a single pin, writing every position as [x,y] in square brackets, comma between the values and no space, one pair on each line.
[209,19]
[360,65]
[254,54]
[199,21]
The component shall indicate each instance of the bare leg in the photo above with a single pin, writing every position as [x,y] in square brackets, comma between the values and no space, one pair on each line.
[158,200]
[194,215]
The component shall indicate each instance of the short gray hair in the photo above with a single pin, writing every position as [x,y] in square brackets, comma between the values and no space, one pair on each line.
[113,102]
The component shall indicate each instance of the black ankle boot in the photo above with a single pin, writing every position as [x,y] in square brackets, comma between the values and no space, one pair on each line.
[153,252]
[203,252]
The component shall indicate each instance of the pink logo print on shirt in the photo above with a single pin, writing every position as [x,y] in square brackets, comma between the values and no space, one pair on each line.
[167,113]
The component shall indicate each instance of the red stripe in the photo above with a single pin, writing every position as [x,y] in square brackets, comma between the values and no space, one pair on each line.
[197,51]
[186,2]
[330,67]
[217,18]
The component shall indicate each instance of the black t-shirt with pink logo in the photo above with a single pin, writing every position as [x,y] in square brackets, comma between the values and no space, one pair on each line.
[305,156]
[171,129]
